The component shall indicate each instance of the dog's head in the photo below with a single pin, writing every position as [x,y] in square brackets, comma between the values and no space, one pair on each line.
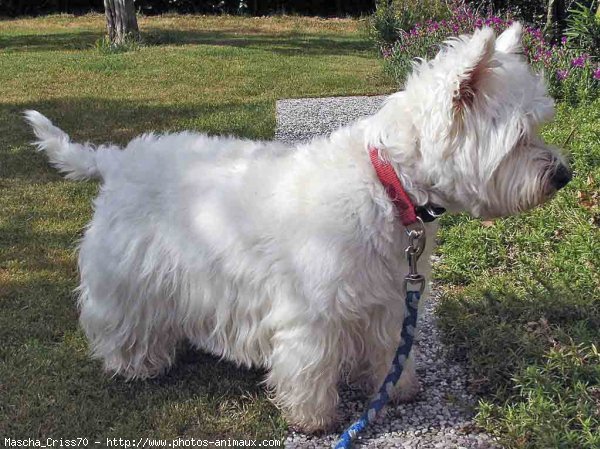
[476,110]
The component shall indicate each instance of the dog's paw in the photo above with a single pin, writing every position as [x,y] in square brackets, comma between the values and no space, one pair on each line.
[315,426]
[407,389]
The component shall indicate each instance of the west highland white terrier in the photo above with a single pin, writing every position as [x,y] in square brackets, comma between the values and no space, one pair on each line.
[292,259]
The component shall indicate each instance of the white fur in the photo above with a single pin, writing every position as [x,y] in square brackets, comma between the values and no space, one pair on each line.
[292,258]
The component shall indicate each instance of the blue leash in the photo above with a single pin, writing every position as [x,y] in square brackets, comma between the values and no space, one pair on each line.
[383,396]
[413,251]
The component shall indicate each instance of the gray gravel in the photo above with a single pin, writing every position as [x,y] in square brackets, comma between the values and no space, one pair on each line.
[303,118]
[442,414]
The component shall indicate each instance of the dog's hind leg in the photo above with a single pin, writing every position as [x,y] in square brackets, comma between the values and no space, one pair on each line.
[131,342]
[127,303]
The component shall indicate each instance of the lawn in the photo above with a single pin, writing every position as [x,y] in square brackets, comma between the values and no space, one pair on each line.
[214,74]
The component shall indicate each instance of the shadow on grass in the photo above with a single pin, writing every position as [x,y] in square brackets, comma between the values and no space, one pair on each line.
[501,330]
[118,121]
[287,44]
[531,355]
[53,388]
[283,44]
[74,40]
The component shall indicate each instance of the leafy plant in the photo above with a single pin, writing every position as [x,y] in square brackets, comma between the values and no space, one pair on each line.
[384,25]
[583,28]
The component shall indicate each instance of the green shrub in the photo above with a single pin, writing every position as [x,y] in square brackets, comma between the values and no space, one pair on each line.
[583,29]
[384,26]
[571,74]
[412,12]
[393,17]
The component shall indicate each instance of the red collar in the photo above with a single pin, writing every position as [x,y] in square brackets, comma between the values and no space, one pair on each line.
[388,177]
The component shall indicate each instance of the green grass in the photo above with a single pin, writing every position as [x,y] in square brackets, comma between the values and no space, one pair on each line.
[522,304]
[214,74]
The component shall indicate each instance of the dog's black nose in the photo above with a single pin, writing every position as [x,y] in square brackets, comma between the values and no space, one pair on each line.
[562,176]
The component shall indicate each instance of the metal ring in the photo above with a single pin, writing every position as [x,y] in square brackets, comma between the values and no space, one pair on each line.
[416,236]
[414,279]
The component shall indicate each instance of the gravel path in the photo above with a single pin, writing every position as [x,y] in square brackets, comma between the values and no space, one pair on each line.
[303,118]
[441,416]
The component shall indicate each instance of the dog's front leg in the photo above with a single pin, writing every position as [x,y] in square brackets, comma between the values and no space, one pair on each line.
[305,369]
[384,343]
[409,385]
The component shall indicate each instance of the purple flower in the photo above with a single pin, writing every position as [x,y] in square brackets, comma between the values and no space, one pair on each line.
[597,73]
[535,32]
[579,61]
[563,40]
[562,74]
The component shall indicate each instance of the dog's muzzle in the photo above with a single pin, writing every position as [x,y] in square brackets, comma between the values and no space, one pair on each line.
[561,177]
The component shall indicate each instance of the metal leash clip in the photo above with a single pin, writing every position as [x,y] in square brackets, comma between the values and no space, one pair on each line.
[417,240]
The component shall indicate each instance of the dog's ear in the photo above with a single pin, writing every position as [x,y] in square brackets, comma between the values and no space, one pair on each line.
[510,40]
[477,60]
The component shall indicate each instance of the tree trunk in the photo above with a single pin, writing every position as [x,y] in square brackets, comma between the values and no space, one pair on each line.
[555,19]
[121,20]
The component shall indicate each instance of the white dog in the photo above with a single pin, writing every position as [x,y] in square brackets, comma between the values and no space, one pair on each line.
[292,259]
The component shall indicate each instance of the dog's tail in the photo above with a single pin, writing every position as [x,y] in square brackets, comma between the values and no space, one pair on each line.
[76,160]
